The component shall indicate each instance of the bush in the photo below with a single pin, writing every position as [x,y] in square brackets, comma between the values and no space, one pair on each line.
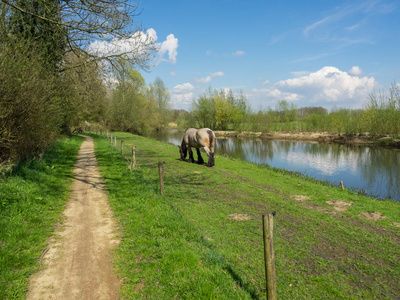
[28,107]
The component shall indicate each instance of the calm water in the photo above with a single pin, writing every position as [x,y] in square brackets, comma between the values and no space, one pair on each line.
[372,169]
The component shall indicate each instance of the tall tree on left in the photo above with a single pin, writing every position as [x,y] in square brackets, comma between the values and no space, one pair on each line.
[44,53]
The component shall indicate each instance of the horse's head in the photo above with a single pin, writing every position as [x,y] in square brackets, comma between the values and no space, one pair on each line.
[211,160]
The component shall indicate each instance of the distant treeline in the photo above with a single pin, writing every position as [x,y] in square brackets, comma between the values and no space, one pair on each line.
[226,111]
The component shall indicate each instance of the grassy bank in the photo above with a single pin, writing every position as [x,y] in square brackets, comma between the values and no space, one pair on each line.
[31,202]
[203,238]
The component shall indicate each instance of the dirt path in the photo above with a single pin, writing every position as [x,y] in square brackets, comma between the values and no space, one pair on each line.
[78,263]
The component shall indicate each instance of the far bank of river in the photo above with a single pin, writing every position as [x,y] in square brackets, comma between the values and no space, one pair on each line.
[360,164]
[321,137]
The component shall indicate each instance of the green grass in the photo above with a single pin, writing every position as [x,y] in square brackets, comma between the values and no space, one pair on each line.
[186,245]
[31,202]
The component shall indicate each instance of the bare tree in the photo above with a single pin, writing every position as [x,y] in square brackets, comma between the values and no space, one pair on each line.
[85,22]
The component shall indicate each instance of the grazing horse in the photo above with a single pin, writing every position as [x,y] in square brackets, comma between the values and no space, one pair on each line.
[198,138]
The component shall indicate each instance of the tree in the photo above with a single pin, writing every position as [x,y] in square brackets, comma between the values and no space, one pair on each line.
[161,96]
[50,77]
[72,25]
[48,39]
[287,112]
[219,109]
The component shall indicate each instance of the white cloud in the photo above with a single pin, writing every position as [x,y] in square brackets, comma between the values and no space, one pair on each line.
[299,73]
[270,96]
[330,85]
[172,73]
[209,77]
[265,82]
[356,71]
[170,46]
[137,46]
[239,53]
[326,87]
[183,88]
[182,101]
[182,95]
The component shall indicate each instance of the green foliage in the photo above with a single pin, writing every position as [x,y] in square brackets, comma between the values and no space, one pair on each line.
[382,114]
[47,40]
[160,94]
[29,108]
[260,121]
[219,110]
[82,92]
[48,80]
[286,111]
[134,107]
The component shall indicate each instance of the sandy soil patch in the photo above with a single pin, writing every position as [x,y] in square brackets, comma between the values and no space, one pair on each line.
[301,198]
[373,216]
[239,217]
[78,263]
[339,205]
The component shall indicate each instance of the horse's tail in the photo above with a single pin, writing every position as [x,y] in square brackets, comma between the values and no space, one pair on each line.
[211,138]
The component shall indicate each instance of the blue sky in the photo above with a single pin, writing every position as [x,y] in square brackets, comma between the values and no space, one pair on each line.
[311,53]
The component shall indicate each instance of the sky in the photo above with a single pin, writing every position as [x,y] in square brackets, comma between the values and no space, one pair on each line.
[310,53]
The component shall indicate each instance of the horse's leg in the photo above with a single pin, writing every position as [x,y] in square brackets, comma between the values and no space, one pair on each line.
[210,155]
[191,158]
[200,159]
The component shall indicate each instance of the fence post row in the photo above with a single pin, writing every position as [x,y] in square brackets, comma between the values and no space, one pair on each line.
[269,256]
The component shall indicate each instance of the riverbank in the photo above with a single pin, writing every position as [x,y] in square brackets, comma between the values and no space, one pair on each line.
[320,137]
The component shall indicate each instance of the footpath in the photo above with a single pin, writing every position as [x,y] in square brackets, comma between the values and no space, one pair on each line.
[78,261]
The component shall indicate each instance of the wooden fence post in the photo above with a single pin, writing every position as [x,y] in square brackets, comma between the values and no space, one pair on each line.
[269,256]
[161,173]
[111,138]
[122,147]
[133,162]
[342,185]
[115,141]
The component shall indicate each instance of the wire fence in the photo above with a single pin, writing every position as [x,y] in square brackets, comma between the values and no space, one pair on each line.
[256,236]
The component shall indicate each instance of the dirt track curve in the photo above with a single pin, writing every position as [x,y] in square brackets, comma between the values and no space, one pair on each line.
[78,263]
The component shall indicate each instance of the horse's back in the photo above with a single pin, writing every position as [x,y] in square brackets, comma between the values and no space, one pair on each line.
[206,136]
[198,138]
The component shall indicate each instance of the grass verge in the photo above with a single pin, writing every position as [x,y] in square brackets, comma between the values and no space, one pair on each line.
[31,202]
[203,238]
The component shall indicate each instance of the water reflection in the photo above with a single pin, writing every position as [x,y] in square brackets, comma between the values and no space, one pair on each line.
[372,169]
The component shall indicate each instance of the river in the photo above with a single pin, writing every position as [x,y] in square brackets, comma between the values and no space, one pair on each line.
[374,170]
